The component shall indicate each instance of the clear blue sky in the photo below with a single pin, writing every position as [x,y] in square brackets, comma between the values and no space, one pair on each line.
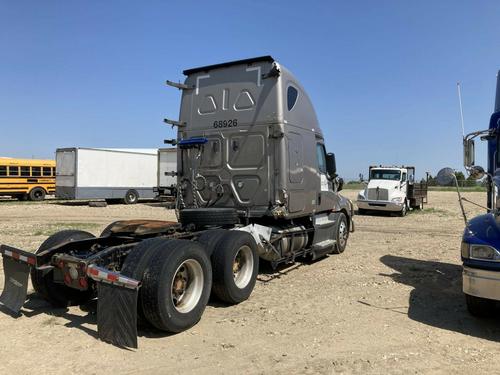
[382,74]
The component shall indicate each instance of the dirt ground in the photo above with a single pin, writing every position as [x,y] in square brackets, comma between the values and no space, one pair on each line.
[392,303]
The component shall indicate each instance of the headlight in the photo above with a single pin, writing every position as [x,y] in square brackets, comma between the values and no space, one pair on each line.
[484,252]
[397,200]
[464,249]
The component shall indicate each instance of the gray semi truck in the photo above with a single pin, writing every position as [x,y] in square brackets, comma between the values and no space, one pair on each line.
[254,181]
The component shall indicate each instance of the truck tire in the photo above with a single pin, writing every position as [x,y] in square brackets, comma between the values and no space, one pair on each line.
[404,210]
[480,307]
[341,234]
[131,197]
[176,286]
[235,265]
[106,232]
[136,264]
[60,295]
[208,216]
[210,238]
[37,194]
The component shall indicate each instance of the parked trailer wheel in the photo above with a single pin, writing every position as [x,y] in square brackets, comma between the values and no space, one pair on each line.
[341,234]
[480,307]
[176,287]
[235,266]
[37,194]
[57,294]
[131,197]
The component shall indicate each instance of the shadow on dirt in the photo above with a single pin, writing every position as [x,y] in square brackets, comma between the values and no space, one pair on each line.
[35,305]
[437,299]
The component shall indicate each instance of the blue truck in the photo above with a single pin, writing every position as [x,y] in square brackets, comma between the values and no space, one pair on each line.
[480,249]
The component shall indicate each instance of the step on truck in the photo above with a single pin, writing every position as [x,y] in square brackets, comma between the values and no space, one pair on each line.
[254,181]
[392,189]
[480,248]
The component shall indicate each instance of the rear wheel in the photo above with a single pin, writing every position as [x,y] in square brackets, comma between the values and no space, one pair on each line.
[210,238]
[138,261]
[176,286]
[58,294]
[131,197]
[37,194]
[235,266]
[480,307]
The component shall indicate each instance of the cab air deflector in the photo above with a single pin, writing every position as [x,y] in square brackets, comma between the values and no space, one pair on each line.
[230,63]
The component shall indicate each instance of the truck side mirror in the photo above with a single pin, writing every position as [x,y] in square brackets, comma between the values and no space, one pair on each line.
[468,152]
[340,183]
[477,172]
[331,166]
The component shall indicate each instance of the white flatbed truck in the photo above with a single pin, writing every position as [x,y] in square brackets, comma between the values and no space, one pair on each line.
[392,189]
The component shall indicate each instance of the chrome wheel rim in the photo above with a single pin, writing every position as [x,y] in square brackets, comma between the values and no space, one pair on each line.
[187,286]
[243,266]
[343,233]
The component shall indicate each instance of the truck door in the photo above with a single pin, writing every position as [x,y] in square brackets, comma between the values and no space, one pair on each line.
[404,183]
[327,198]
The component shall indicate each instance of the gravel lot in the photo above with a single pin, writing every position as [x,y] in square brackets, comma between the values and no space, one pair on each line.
[392,303]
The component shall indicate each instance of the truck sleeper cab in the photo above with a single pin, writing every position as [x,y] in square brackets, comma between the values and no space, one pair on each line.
[254,182]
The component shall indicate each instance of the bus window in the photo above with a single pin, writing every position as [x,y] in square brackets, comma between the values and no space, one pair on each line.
[3,170]
[36,171]
[46,171]
[13,171]
[53,171]
[25,171]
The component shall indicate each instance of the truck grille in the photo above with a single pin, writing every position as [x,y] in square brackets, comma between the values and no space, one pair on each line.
[378,194]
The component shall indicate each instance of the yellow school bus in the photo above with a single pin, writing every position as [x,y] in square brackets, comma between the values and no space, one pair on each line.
[27,178]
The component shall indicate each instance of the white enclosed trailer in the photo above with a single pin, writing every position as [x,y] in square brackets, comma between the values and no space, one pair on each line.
[106,173]
[167,168]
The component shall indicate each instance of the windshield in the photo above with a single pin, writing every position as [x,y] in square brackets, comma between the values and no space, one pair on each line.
[385,174]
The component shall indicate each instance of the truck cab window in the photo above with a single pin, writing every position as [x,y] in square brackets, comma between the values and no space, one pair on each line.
[403,178]
[320,154]
[291,97]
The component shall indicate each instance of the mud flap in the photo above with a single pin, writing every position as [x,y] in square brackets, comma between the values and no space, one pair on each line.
[117,315]
[16,284]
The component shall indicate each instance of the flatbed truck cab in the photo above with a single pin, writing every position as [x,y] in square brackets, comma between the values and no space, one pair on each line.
[480,249]
[254,181]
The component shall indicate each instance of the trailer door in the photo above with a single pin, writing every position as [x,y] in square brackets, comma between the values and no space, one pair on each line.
[66,168]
